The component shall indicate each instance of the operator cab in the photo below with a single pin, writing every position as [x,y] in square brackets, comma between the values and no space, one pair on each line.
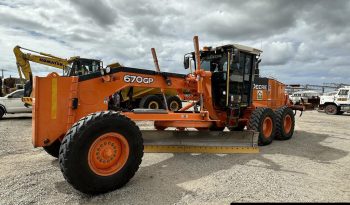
[83,66]
[238,62]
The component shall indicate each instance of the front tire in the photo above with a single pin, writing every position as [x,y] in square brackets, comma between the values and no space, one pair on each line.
[101,152]
[263,121]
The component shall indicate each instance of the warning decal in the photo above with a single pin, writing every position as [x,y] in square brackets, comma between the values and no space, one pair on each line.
[259,94]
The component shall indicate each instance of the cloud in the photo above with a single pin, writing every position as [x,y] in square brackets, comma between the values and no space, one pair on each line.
[100,12]
[303,41]
[278,53]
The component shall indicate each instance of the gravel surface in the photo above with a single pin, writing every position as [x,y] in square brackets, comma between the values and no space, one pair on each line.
[313,166]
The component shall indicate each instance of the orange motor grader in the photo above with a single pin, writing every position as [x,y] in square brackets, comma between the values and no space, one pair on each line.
[100,150]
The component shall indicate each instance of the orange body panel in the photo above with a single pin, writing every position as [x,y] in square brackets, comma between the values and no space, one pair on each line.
[53,112]
[273,97]
[49,117]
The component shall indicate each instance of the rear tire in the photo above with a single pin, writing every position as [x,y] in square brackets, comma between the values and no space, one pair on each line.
[101,152]
[53,149]
[331,109]
[151,102]
[263,120]
[174,103]
[285,123]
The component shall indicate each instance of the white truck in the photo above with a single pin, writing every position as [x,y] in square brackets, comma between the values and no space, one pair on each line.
[303,96]
[336,104]
[12,103]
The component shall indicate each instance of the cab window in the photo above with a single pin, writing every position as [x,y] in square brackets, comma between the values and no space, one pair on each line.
[244,65]
[343,92]
[205,65]
[18,94]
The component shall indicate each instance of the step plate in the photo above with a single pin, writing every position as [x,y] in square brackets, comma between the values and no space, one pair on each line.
[200,142]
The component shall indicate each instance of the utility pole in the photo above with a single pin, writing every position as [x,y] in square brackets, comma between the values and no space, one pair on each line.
[2,72]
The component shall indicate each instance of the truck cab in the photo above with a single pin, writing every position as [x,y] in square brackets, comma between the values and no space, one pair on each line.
[337,104]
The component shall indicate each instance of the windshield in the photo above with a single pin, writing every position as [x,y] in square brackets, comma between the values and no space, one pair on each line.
[16,94]
[83,67]
[214,63]
[343,92]
[205,65]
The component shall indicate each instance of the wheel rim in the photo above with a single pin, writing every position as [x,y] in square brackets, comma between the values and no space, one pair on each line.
[267,127]
[287,124]
[108,154]
[153,105]
[331,109]
[174,106]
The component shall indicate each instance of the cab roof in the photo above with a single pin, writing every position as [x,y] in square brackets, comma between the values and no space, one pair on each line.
[247,49]
[240,47]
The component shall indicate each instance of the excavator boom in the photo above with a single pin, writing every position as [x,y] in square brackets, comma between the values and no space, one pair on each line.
[23,60]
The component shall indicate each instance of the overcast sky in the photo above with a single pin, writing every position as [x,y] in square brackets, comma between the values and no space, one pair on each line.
[303,41]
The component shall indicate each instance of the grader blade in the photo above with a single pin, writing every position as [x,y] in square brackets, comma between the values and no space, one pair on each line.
[200,142]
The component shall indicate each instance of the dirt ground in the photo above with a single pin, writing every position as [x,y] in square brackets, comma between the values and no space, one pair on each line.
[313,166]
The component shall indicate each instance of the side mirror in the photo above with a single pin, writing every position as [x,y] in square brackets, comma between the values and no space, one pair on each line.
[186,62]
[236,55]
[10,96]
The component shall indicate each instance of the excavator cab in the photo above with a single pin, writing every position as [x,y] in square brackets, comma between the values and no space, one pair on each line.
[83,66]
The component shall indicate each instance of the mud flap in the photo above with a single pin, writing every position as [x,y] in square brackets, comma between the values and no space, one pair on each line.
[200,141]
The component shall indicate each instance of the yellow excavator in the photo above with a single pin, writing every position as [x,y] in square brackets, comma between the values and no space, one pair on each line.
[72,66]
[130,98]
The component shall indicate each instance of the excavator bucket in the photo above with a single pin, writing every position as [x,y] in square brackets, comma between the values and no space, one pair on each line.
[200,141]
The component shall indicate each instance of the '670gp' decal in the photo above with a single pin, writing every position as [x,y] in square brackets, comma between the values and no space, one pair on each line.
[137,79]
